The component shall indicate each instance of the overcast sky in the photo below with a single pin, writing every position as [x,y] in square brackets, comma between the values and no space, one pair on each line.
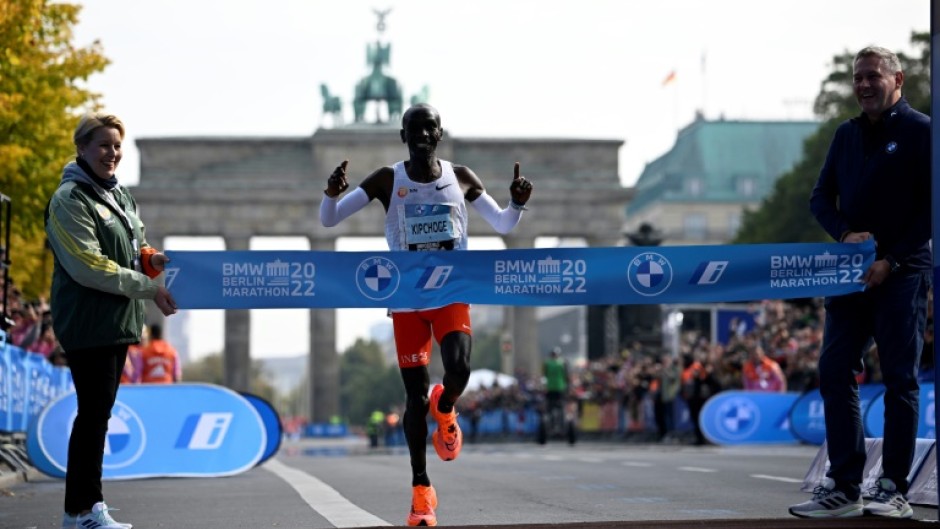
[494,68]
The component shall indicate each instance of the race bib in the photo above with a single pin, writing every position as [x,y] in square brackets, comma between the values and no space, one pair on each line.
[429,227]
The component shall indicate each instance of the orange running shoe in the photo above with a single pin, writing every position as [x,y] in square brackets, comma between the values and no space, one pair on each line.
[423,503]
[447,438]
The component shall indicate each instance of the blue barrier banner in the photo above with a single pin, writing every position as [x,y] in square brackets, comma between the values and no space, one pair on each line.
[272,424]
[38,373]
[28,382]
[159,430]
[748,417]
[6,389]
[874,418]
[808,417]
[541,276]
[322,429]
[18,403]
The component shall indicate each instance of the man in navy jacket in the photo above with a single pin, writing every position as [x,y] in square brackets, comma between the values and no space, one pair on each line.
[875,184]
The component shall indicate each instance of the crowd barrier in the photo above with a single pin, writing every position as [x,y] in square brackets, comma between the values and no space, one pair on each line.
[155,430]
[28,383]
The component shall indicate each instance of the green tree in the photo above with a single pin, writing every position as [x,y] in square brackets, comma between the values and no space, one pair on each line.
[366,383]
[487,352]
[211,369]
[41,96]
[783,215]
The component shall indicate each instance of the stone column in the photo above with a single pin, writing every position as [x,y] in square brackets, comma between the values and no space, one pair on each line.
[323,362]
[524,330]
[237,356]
[604,317]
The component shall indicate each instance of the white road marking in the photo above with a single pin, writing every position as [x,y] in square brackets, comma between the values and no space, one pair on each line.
[697,469]
[636,464]
[777,478]
[324,499]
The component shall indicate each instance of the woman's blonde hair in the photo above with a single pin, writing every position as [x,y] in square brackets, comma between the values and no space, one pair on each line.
[93,121]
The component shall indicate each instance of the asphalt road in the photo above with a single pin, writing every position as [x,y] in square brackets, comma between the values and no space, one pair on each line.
[326,484]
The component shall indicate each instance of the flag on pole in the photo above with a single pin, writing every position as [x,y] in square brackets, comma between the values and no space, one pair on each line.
[669,78]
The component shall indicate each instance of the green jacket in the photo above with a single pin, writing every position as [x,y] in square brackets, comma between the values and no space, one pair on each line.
[556,375]
[97,296]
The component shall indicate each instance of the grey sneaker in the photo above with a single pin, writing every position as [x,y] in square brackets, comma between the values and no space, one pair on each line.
[887,501]
[828,503]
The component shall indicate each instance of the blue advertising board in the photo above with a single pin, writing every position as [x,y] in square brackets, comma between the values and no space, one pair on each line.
[159,430]
[272,424]
[748,417]
[874,418]
[808,418]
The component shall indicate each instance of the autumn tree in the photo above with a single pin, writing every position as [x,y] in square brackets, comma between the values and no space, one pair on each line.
[783,215]
[42,94]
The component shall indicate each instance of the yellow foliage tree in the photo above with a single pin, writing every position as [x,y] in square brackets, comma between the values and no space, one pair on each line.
[42,94]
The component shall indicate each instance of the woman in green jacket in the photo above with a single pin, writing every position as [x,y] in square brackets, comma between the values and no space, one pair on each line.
[104,270]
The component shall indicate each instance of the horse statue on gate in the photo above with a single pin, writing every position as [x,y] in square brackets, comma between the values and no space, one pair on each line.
[332,106]
[378,86]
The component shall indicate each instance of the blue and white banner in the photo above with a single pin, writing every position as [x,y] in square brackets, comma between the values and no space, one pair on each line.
[874,417]
[274,431]
[748,417]
[808,417]
[28,382]
[542,276]
[159,430]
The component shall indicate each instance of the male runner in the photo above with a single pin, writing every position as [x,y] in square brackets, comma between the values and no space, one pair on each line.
[429,194]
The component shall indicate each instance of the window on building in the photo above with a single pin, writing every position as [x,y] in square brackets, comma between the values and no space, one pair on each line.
[747,186]
[695,226]
[694,186]
[734,224]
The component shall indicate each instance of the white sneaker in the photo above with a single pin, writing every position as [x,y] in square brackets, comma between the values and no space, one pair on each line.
[68,522]
[828,503]
[887,501]
[98,518]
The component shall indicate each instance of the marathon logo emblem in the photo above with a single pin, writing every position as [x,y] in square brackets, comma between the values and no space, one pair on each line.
[737,418]
[434,277]
[649,274]
[204,431]
[126,437]
[170,275]
[708,272]
[377,278]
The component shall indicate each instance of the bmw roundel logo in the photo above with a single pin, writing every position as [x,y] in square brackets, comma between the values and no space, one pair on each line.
[649,274]
[377,278]
[891,147]
[737,418]
[126,437]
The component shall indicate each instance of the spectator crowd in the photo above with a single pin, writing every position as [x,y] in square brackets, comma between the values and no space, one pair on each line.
[29,327]
[643,384]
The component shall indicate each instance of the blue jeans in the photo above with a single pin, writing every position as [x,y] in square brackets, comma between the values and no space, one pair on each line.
[894,314]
